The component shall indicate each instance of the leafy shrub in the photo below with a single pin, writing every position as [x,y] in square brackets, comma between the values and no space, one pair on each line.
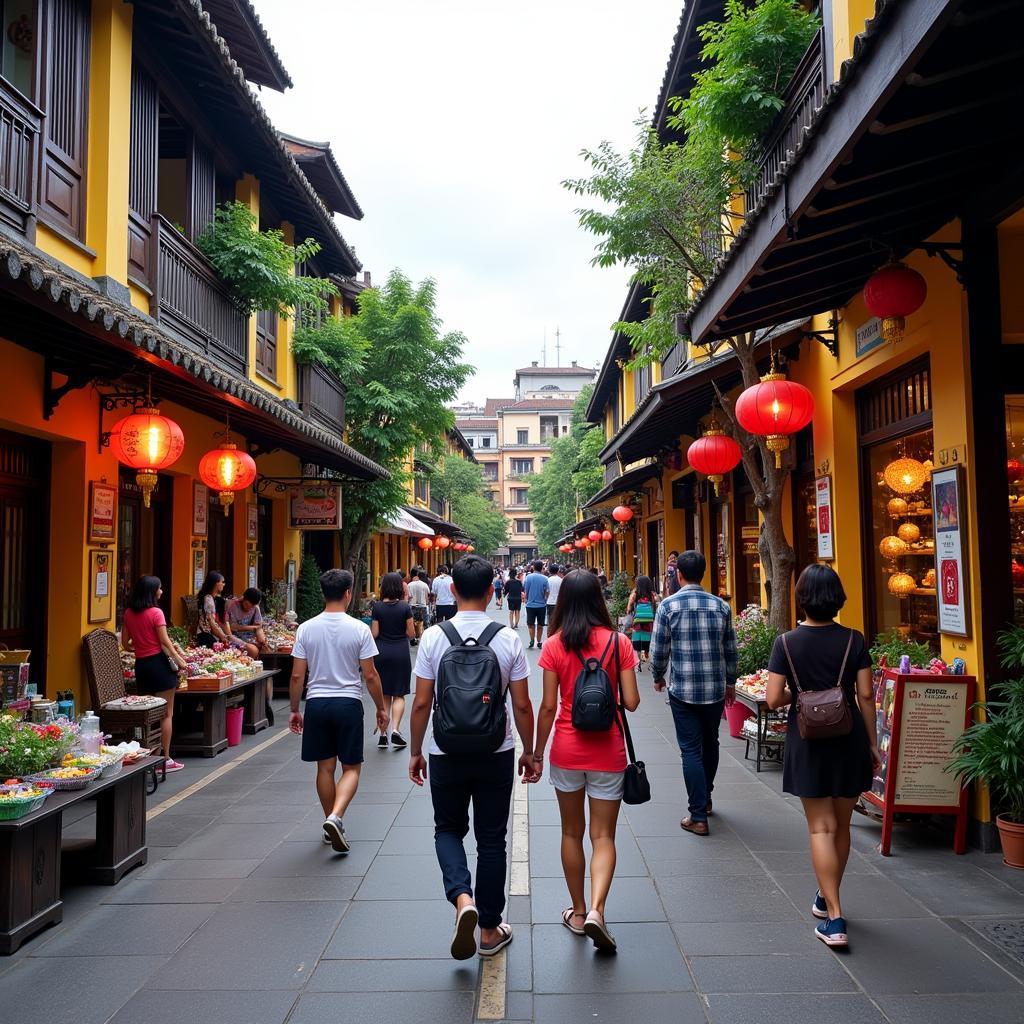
[309,597]
[622,586]
[755,638]
[893,645]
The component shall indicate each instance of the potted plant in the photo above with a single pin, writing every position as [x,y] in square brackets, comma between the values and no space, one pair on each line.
[992,751]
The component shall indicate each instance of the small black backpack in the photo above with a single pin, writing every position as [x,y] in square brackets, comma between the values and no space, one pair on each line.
[469,699]
[593,699]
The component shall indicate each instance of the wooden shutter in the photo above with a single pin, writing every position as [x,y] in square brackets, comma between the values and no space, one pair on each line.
[65,101]
[202,192]
[142,175]
[266,343]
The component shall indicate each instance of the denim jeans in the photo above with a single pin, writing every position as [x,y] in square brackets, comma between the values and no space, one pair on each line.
[697,736]
[487,781]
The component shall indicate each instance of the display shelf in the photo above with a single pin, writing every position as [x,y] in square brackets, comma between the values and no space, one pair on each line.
[924,592]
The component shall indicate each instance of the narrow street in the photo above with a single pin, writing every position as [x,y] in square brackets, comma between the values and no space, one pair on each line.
[243,914]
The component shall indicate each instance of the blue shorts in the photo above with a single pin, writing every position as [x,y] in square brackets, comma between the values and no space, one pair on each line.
[333,727]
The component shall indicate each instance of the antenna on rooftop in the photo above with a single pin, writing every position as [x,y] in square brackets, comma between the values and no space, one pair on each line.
[558,346]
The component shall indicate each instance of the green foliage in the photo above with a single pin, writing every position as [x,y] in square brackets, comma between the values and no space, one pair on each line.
[26,748]
[334,344]
[309,597]
[461,484]
[621,588]
[755,638]
[992,752]
[259,266]
[178,635]
[893,645]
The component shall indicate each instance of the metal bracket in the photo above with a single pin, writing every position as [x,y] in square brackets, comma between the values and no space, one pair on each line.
[829,337]
[282,484]
[76,378]
[119,398]
[945,250]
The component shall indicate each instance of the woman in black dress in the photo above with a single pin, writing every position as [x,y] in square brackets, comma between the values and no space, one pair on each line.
[392,627]
[514,595]
[827,774]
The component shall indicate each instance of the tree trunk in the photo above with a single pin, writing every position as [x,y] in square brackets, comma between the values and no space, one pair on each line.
[353,551]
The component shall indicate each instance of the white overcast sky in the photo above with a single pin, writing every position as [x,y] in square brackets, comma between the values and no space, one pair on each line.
[454,122]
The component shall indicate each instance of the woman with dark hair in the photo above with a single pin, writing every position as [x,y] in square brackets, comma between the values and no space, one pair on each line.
[642,604]
[145,631]
[827,774]
[393,628]
[209,630]
[585,764]
[514,596]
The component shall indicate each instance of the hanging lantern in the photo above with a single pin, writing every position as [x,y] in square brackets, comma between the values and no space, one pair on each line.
[226,470]
[909,532]
[714,454]
[579,543]
[774,409]
[892,547]
[1014,470]
[424,543]
[1017,572]
[897,507]
[594,536]
[442,542]
[470,549]
[892,294]
[905,476]
[622,513]
[606,535]
[147,442]
[902,584]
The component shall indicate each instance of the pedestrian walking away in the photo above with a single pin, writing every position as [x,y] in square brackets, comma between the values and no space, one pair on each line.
[468,669]
[555,575]
[334,647]
[514,593]
[640,608]
[419,599]
[670,582]
[695,629]
[393,630]
[442,596]
[827,773]
[585,763]
[535,589]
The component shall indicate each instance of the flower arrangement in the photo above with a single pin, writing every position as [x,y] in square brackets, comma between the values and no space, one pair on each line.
[27,748]
[755,638]
[755,684]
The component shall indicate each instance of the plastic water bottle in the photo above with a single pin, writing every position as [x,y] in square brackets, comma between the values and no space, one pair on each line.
[90,737]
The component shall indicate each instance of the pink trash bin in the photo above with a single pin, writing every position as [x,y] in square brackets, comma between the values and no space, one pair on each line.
[736,714]
[234,725]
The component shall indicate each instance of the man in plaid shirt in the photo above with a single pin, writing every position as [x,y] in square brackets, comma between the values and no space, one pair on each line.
[695,628]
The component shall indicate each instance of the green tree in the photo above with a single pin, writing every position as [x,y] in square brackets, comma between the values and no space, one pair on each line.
[461,483]
[309,596]
[396,404]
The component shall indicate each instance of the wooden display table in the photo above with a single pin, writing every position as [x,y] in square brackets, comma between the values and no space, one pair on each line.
[767,748]
[212,737]
[30,850]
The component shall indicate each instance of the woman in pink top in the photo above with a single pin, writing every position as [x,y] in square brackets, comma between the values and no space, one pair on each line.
[585,764]
[145,631]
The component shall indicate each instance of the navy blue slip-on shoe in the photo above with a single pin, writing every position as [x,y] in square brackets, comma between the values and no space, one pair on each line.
[819,908]
[833,932]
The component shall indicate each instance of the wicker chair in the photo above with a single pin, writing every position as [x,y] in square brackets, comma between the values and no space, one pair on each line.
[102,658]
[190,609]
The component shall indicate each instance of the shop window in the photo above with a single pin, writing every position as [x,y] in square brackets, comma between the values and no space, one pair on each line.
[805,511]
[1015,480]
[748,558]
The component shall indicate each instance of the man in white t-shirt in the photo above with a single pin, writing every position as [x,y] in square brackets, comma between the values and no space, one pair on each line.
[443,595]
[334,647]
[419,598]
[486,779]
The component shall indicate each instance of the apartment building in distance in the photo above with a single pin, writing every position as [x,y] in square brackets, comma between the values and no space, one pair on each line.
[512,437]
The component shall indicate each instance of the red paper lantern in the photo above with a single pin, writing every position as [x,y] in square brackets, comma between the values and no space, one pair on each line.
[892,294]
[424,543]
[580,543]
[594,536]
[606,535]
[1014,470]
[147,442]
[714,454]
[226,470]
[470,549]
[774,409]
[442,542]
[622,513]
[1017,571]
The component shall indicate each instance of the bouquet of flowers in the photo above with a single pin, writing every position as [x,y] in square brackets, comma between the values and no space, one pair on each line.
[280,633]
[755,639]
[27,748]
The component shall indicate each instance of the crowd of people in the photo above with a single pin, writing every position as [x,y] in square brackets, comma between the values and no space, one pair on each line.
[472,687]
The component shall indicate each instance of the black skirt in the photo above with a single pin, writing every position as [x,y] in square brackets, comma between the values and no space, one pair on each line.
[394,665]
[154,675]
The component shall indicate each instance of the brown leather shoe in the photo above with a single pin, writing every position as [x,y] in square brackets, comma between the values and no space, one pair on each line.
[698,828]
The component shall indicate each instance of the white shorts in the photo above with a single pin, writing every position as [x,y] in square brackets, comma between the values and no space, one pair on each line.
[599,785]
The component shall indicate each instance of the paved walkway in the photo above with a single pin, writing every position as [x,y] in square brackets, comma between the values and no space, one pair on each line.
[244,915]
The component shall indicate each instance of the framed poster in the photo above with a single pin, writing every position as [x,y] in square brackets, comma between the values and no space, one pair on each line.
[100,591]
[289,579]
[251,568]
[198,568]
[102,513]
[315,506]
[200,509]
[252,521]
[823,517]
[948,504]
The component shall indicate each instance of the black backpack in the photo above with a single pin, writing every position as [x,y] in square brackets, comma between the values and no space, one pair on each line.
[469,699]
[593,699]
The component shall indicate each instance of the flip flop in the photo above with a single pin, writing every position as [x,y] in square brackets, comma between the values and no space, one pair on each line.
[505,930]
[464,939]
[597,932]
[567,915]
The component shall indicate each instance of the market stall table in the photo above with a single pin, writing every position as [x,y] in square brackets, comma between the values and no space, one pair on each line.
[282,663]
[30,850]
[768,746]
[213,737]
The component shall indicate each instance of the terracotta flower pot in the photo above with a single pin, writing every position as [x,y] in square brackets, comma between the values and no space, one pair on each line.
[1011,835]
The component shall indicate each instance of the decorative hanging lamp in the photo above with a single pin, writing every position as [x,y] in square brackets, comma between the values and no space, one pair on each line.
[424,543]
[892,547]
[442,542]
[594,536]
[774,409]
[714,453]
[622,513]
[227,469]
[902,584]
[897,507]
[909,532]
[905,476]
[1014,470]
[470,549]
[606,535]
[892,294]
[148,442]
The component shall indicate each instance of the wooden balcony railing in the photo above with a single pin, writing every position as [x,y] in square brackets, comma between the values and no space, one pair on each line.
[321,396]
[803,96]
[191,301]
[19,131]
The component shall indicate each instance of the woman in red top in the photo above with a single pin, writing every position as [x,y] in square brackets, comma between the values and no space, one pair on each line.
[588,764]
[145,631]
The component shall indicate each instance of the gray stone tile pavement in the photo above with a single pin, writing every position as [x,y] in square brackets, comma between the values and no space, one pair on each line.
[244,915]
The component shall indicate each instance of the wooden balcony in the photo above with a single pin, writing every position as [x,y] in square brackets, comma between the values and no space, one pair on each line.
[191,301]
[19,131]
[321,396]
[803,96]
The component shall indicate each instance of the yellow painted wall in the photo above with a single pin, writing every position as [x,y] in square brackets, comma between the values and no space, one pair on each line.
[848,18]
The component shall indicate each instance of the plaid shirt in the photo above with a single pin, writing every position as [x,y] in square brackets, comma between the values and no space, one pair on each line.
[696,628]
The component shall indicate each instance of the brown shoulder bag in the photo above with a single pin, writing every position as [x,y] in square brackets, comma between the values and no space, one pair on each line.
[822,714]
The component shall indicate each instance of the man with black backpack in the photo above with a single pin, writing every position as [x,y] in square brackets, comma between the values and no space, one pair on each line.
[466,669]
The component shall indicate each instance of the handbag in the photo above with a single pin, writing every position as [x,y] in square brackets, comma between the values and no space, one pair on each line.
[636,786]
[822,714]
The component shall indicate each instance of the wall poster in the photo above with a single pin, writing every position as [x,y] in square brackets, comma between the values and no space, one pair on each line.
[948,503]
[252,563]
[102,512]
[100,594]
[315,506]
[823,517]
[200,509]
[252,521]
[198,568]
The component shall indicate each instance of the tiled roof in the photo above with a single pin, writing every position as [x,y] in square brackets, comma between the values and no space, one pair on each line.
[324,174]
[240,25]
[539,403]
[492,405]
[477,424]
